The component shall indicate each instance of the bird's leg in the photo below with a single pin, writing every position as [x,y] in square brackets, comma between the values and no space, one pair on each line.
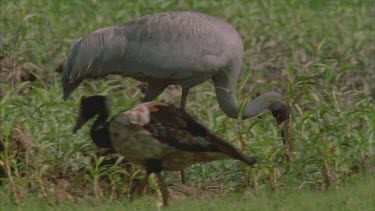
[155,166]
[153,90]
[163,191]
[283,119]
[183,177]
[185,92]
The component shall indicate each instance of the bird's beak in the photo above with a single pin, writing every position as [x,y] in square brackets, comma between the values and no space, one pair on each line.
[68,88]
[79,123]
[282,116]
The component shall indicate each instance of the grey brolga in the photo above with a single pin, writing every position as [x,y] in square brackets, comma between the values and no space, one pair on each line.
[183,48]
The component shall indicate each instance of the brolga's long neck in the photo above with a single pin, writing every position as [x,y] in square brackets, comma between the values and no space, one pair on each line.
[100,131]
[273,101]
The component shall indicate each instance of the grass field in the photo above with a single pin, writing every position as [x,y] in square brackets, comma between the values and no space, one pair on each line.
[359,195]
[320,54]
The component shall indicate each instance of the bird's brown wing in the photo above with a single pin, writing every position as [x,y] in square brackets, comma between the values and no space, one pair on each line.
[176,128]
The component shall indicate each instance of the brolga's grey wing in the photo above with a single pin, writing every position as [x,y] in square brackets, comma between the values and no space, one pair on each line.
[183,48]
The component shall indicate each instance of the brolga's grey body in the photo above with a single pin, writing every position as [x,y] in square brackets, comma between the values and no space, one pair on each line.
[183,48]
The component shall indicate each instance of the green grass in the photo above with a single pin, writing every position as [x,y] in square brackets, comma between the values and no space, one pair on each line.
[359,195]
[320,54]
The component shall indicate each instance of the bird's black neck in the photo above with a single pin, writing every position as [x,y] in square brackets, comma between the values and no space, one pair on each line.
[100,132]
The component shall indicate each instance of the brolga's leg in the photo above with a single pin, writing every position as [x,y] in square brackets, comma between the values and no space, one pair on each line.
[163,191]
[185,92]
[153,90]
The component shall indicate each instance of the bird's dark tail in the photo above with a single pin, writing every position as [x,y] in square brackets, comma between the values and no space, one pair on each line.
[231,151]
[244,158]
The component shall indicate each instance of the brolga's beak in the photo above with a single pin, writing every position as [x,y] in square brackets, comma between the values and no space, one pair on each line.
[68,88]
[282,116]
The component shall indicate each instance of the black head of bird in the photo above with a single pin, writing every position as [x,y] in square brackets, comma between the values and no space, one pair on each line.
[158,136]
[89,108]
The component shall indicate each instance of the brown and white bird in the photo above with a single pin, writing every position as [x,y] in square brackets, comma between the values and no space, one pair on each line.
[155,135]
